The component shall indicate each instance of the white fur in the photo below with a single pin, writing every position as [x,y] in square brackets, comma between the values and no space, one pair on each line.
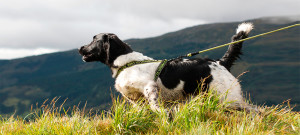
[137,76]
[136,81]
[246,27]
[134,56]
[225,84]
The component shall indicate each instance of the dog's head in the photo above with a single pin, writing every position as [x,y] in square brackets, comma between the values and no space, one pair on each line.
[105,47]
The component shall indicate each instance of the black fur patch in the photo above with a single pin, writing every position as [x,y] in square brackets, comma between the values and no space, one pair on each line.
[191,71]
[117,48]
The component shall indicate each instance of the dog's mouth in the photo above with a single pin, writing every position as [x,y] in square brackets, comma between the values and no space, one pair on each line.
[85,55]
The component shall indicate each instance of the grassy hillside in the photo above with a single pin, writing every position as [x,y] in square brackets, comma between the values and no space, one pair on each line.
[272,61]
[202,115]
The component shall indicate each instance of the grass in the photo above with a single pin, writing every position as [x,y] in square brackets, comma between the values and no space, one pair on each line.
[201,115]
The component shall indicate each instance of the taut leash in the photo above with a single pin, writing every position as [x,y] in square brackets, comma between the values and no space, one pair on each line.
[213,48]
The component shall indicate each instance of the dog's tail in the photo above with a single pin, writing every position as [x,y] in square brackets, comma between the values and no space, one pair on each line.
[234,50]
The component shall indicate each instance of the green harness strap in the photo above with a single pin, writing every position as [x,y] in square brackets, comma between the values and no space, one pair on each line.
[160,68]
[133,63]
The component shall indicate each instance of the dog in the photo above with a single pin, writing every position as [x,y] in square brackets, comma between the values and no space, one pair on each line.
[178,79]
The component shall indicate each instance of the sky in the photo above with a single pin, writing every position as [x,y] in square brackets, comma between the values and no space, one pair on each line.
[33,27]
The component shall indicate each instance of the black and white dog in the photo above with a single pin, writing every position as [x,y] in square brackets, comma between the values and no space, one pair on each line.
[178,79]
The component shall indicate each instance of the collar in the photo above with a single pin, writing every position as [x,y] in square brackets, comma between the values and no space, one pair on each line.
[133,63]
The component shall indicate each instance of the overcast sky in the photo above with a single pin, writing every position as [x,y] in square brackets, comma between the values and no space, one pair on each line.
[31,27]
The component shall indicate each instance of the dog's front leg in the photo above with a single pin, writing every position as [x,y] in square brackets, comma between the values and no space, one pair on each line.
[151,94]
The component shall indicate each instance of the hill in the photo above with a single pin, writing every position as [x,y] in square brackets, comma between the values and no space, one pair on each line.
[273,62]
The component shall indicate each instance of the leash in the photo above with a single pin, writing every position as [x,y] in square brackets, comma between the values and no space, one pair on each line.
[213,48]
[164,62]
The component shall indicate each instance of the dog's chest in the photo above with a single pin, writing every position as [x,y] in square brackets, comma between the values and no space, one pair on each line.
[132,81]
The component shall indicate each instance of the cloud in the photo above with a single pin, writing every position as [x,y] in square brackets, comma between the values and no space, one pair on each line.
[68,24]
[8,53]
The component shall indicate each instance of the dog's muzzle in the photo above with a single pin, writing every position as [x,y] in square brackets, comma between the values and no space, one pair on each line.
[85,55]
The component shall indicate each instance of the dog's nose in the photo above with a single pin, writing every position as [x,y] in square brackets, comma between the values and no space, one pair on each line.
[80,49]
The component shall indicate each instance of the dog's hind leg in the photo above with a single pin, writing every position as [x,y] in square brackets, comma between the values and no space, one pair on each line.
[243,106]
[250,108]
[151,94]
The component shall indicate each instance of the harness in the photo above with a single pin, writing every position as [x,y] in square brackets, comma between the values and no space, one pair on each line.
[157,71]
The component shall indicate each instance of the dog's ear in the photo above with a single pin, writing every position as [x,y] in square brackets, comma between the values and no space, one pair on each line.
[106,46]
[105,40]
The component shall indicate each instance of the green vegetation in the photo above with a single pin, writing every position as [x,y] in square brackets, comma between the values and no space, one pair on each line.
[201,115]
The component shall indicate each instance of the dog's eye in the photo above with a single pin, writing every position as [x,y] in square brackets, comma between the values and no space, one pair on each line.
[94,37]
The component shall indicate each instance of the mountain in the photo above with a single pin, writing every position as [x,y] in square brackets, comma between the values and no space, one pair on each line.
[273,62]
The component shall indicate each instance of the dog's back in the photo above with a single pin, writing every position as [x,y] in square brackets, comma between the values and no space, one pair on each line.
[191,74]
[190,70]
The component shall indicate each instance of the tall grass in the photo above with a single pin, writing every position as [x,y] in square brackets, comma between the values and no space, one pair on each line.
[203,114]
